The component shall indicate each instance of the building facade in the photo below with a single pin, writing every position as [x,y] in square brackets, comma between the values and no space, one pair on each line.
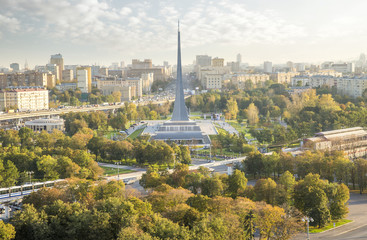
[26,79]
[67,75]
[59,61]
[213,81]
[352,141]
[84,79]
[24,99]
[45,124]
[240,79]
[268,67]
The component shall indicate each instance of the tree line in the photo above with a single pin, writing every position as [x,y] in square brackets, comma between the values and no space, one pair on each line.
[82,209]
[311,111]
[320,199]
[56,155]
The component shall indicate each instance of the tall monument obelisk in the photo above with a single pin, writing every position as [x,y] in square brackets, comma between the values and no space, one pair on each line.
[179,109]
[180,128]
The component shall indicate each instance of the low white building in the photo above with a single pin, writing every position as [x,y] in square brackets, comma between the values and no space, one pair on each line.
[45,124]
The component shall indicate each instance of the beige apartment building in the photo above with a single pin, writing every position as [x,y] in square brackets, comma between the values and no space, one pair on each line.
[68,75]
[59,61]
[353,141]
[108,85]
[218,62]
[144,67]
[240,79]
[213,81]
[26,79]
[283,77]
[24,99]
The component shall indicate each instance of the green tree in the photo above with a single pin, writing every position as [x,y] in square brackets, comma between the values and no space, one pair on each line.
[232,108]
[212,186]
[252,113]
[119,121]
[237,183]
[31,224]
[265,190]
[7,231]
[26,136]
[48,165]
[338,196]
[311,200]
[9,174]
[151,179]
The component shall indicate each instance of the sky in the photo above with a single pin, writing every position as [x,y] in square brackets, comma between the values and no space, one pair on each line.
[105,31]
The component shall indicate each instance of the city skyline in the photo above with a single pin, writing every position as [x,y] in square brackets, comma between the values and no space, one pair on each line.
[101,32]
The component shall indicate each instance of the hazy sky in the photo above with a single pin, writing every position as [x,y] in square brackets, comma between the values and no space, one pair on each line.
[105,31]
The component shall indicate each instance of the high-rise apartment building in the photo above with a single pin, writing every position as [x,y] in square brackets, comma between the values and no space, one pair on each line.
[55,69]
[268,67]
[67,75]
[239,58]
[84,78]
[59,61]
[203,60]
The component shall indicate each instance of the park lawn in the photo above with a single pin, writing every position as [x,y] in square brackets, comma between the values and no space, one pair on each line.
[136,133]
[113,171]
[110,134]
[237,126]
[329,226]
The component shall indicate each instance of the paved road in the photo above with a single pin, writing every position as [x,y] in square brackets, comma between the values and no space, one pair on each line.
[354,230]
[45,113]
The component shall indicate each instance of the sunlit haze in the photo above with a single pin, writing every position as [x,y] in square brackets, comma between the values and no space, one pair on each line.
[97,31]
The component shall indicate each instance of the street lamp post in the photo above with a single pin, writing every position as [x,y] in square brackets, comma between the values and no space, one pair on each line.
[210,152]
[307,220]
[118,170]
[30,176]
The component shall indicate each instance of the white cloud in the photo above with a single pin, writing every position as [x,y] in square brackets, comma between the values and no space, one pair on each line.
[8,24]
[139,26]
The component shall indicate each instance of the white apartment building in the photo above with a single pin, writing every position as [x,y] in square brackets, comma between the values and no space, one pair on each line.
[202,72]
[213,81]
[147,81]
[343,67]
[24,99]
[353,87]
[137,83]
[314,81]
[82,77]
[128,89]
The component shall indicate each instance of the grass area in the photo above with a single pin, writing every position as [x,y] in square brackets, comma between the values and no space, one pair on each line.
[113,171]
[112,133]
[330,226]
[237,126]
[136,133]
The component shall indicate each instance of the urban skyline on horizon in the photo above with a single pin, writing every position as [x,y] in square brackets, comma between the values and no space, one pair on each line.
[103,32]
